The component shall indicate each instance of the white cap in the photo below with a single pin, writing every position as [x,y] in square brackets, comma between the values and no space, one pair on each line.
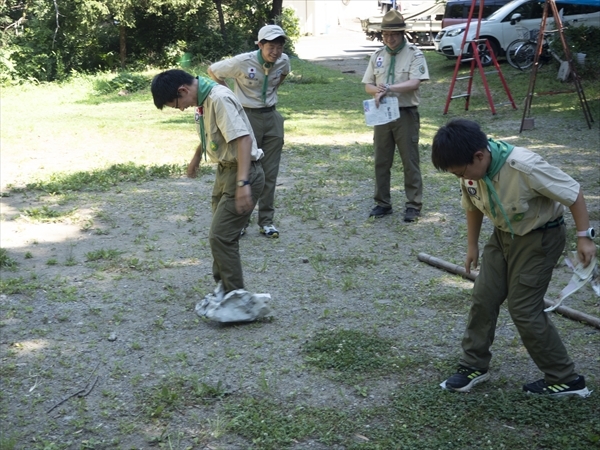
[270,33]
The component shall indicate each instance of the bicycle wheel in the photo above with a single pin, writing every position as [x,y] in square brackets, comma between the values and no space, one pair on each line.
[512,49]
[524,55]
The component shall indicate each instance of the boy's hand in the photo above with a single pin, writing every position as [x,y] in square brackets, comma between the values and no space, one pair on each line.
[243,199]
[472,257]
[586,249]
[378,98]
[192,170]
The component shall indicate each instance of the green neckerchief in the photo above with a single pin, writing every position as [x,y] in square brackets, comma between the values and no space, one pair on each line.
[205,85]
[500,151]
[266,66]
[392,69]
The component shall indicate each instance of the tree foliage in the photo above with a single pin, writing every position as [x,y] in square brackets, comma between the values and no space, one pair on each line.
[46,40]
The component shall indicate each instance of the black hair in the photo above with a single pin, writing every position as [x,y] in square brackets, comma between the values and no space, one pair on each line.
[165,85]
[277,40]
[456,143]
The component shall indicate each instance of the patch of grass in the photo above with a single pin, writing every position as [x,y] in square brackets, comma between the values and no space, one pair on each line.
[273,426]
[45,214]
[354,354]
[6,262]
[10,286]
[102,254]
[176,391]
[103,179]
[422,418]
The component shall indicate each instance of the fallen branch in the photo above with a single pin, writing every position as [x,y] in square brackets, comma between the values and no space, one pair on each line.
[460,270]
[80,393]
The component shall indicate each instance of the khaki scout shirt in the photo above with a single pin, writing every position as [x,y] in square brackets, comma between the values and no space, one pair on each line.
[249,75]
[532,192]
[224,122]
[410,64]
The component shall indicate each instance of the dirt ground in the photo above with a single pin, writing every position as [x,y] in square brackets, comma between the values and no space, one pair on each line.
[111,327]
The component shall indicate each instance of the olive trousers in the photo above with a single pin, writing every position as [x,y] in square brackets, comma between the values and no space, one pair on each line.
[403,133]
[227,224]
[518,270]
[267,125]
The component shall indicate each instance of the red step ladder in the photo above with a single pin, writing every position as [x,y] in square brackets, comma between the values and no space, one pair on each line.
[477,45]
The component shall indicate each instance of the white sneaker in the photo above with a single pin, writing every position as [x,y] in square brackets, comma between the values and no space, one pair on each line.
[269,231]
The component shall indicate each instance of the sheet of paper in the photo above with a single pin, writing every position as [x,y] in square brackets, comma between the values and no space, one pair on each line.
[387,112]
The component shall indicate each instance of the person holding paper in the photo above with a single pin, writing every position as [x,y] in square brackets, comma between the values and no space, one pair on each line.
[396,70]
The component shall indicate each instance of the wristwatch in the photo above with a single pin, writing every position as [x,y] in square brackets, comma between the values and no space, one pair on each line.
[242,183]
[590,233]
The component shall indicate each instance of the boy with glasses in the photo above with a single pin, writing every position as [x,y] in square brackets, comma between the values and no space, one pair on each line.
[523,196]
[257,75]
[397,71]
[226,137]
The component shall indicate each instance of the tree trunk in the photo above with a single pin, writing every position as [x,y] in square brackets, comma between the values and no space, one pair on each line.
[276,10]
[219,5]
[122,45]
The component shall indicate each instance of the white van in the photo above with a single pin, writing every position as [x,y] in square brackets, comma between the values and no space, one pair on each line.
[513,21]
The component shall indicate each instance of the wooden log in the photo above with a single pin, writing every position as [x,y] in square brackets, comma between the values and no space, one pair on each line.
[460,270]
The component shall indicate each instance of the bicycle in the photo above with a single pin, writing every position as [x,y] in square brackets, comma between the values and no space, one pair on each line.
[520,53]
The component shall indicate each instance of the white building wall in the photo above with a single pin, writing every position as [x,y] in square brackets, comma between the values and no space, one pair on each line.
[321,16]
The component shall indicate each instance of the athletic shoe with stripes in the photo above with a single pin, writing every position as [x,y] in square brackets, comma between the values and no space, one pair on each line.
[575,387]
[465,378]
[269,231]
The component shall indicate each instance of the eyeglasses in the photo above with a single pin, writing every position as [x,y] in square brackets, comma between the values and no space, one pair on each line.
[389,35]
[177,95]
[463,172]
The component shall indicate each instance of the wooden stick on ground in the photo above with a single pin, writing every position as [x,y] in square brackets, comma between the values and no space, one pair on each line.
[460,270]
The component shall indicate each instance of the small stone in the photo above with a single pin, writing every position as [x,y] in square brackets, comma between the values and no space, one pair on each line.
[112,337]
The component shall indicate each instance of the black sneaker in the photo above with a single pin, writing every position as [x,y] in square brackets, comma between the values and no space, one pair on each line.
[575,387]
[411,214]
[464,379]
[380,211]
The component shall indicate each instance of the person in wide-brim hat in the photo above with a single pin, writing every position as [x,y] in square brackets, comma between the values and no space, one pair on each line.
[392,21]
[394,74]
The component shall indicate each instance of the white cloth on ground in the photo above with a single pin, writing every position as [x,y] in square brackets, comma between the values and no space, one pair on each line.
[235,306]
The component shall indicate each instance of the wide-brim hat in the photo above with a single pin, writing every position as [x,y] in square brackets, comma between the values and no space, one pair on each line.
[270,33]
[392,21]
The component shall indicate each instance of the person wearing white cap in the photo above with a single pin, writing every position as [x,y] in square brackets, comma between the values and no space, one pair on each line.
[257,75]
[396,70]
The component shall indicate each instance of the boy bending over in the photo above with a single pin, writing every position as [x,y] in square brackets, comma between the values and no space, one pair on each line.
[523,196]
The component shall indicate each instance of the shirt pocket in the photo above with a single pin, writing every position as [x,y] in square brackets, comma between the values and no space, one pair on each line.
[516,210]
[402,75]
[250,82]
[379,73]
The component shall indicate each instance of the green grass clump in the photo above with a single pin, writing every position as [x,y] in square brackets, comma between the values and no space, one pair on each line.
[45,214]
[354,354]
[102,254]
[176,391]
[6,262]
[10,286]
[103,179]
